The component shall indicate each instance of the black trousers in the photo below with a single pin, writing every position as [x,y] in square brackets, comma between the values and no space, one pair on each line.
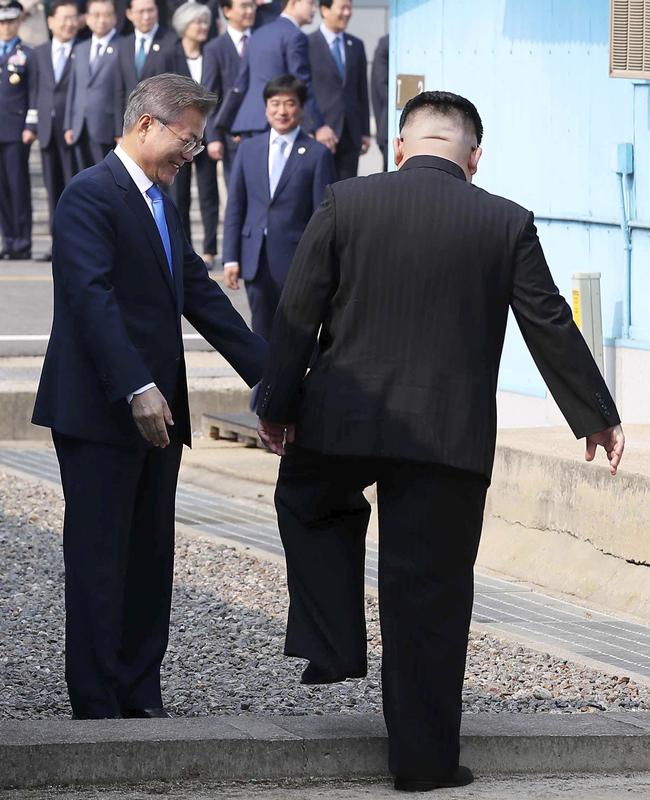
[89,152]
[206,177]
[58,168]
[229,152]
[430,519]
[346,157]
[15,197]
[118,546]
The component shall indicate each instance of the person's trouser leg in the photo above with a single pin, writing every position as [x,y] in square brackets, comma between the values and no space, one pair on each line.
[16,199]
[323,517]
[206,180]
[430,520]
[52,178]
[180,193]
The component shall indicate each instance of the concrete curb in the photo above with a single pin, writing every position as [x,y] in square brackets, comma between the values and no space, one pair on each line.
[62,752]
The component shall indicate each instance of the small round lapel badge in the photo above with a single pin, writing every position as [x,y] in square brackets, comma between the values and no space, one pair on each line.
[109,50]
[155,47]
[302,151]
[14,79]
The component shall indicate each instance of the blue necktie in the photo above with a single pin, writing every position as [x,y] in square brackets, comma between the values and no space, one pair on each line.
[140,58]
[59,64]
[336,48]
[278,164]
[155,195]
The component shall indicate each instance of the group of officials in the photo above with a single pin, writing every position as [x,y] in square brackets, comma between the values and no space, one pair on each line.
[71,91]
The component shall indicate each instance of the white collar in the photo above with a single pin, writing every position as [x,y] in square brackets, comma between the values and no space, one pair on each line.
[135,170]
[291,19]
[236,35]
[57,44]
[289,138]
[103,41]
[330,36]
[146,36]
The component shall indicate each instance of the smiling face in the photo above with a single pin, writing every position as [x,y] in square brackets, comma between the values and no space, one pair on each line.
[160,148]
[64,22]
[241,14]
[9,29]
[100,17]
[337,16]
[284,112]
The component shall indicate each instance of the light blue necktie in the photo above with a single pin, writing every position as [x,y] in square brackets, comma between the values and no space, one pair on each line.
[278,164]
[59,64]
[155,195]
[337,47]
[140,58]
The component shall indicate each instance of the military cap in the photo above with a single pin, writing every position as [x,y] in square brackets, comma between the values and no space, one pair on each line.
[10,9]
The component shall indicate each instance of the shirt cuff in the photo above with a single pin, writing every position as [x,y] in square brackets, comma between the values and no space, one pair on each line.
[229,264]
[130,397]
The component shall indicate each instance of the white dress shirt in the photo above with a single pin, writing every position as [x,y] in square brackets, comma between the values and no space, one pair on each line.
[148,39]
[143,183]
[56,48]
[237,37]
[330,36]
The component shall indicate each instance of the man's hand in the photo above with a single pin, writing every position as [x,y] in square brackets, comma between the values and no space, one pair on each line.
[365,144]
[231,275]
[28,137]
[275,435]
[215,150]
[151,414]
[69,137]
[325,135]
[613,440]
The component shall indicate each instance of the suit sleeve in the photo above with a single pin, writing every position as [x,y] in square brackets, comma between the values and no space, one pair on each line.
[379,78]
[303,307]
[69,99]
[212,314]
[84,250]
[555,343]
[298,65]
[324,175]
[363,93]
[235,209]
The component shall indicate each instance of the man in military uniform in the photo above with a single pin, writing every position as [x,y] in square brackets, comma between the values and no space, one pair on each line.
[15,197]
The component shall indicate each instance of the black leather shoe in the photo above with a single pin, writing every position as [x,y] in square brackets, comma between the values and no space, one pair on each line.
[462,776]
[147,713]
[43,257]
[18,255]
[313,674]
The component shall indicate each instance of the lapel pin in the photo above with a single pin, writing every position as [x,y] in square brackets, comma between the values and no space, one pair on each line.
[302,151]
[155,47]
[109,49]
[14,79]
[349,41]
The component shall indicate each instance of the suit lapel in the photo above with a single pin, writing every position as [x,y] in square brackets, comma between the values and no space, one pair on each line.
[151,60]
[292,162]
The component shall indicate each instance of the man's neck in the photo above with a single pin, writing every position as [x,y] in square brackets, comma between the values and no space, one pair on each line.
[60,41]
[237,28]
[150,32]
[331,30]
[292,18]
[130,148]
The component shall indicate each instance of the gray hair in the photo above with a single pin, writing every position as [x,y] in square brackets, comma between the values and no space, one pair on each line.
[187,13]
[165,97]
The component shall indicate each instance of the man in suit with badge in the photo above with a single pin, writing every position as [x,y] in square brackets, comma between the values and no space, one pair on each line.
[222,61]
[89,112]
[146,52]
[114,392]
[53,66]
[15,76]
[279,48]
[277,182]
[339,72]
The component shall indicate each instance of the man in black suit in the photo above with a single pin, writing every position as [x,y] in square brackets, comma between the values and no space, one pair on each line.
[46,118]
[148,51]
[379,92]
[222,60]
[339,74]
[114,392]
[402,393]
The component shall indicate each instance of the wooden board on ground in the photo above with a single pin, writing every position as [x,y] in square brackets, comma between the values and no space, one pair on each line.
[235,427]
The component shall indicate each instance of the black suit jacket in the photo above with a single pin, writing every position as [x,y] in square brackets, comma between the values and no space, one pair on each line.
[221,63]
[379,90]
[117,311]
[47,96]
[341,100]
[411,275]
[160,58]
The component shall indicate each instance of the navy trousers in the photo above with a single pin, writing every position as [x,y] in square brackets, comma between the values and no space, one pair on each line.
[206,178]
[15,197]
[58,168]
[118,546]
[263,294]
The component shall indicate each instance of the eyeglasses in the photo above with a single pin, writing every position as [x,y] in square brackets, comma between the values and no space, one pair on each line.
[193,147]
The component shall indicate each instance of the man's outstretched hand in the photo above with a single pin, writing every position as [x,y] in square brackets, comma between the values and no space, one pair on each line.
[613,440]
[275,435]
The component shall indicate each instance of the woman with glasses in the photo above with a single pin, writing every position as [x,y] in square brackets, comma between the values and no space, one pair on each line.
[191,22]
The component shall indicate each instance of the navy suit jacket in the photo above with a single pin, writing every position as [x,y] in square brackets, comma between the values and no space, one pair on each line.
[117,311]
[90,96]
[221,64]
[278,48]
[48,96]
[341,100]
[15,97]
[160,58]
[251,210]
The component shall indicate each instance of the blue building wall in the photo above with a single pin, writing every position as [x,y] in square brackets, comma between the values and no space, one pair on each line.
[538,72]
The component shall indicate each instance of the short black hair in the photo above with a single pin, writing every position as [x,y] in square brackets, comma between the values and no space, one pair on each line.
[286,84]
[326,3]
[58,4]
[445,103]
[225,3]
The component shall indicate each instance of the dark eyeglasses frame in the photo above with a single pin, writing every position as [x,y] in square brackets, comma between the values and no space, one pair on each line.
[193,147]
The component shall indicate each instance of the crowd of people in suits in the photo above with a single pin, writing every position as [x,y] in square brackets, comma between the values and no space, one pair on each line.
[70,93]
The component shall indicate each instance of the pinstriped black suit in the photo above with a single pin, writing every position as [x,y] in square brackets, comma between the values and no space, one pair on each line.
[411,275]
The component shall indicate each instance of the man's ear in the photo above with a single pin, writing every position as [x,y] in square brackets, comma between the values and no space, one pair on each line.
[474,158]
[398,150]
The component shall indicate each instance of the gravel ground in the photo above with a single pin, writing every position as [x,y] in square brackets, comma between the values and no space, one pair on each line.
[225,652]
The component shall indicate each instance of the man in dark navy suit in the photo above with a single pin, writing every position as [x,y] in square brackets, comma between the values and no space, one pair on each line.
[222,61]
[53,62]
[114,392]
[15,195]
[146,52]
[89,112]
[277,181]
[379,92]
[340,80]
[279,48]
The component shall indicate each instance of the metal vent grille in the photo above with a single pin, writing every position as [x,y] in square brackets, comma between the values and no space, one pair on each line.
[629,39]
